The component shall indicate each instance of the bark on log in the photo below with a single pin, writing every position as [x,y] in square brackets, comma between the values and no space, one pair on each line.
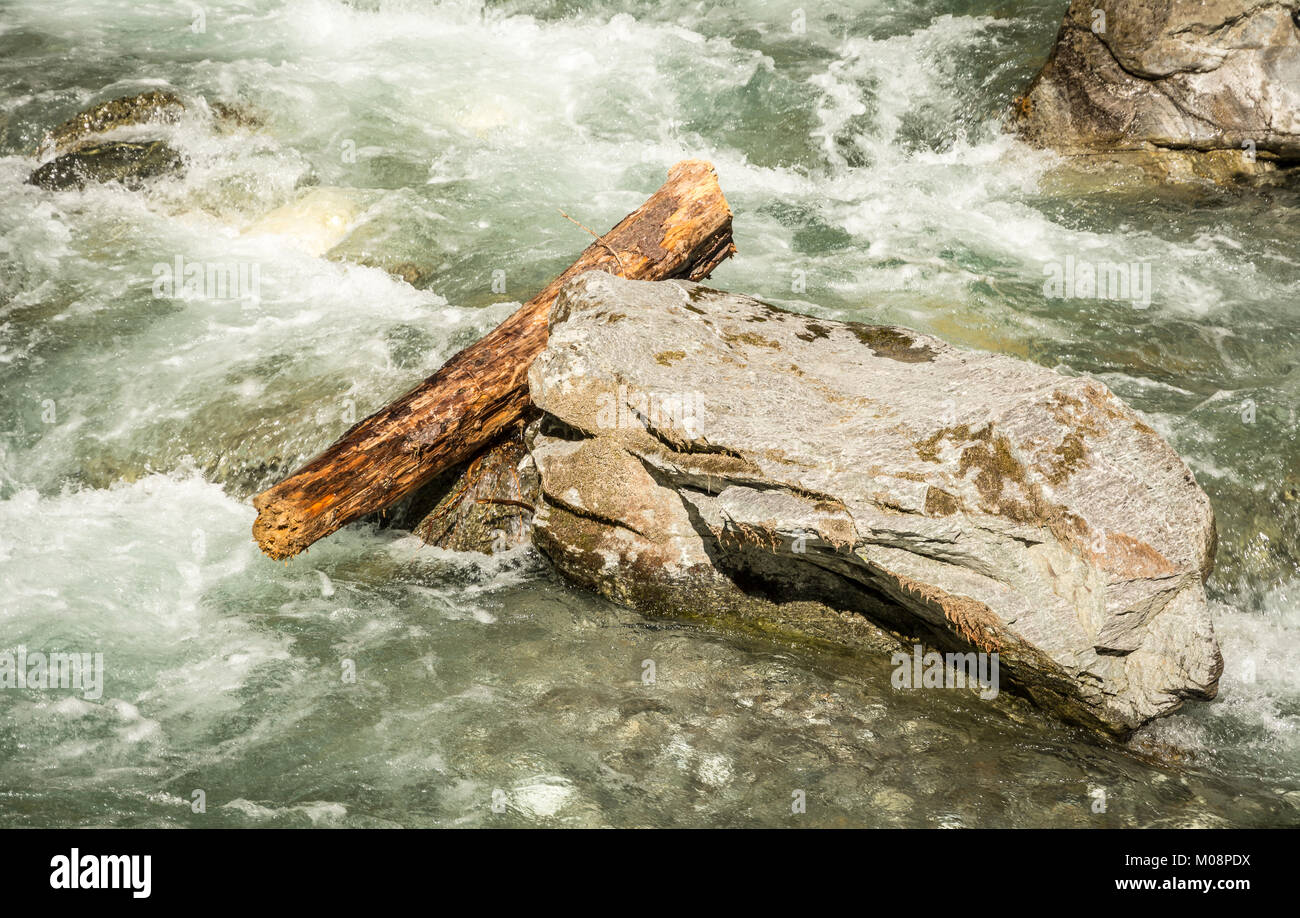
[682,230]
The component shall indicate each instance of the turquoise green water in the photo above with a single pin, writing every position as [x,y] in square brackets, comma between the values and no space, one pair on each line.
[860,148]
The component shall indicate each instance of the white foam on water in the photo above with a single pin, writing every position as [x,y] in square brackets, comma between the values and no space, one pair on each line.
[1252,721]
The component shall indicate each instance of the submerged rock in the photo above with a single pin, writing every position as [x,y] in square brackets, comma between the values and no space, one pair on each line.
[111,161]
[314,223]
[86,155]
[1184,89]
[697,448]
[235,116]
[153,107]
[120,140]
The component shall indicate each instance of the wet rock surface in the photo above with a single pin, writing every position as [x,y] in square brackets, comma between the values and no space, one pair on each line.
[90,146]
[127,140]
[151,107]
[126,162]
[705,453]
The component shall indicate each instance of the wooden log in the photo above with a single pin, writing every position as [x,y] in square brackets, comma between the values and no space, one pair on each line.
[682,230]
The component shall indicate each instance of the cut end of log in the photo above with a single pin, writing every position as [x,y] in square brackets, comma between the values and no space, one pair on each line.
[278,529]
[683,230]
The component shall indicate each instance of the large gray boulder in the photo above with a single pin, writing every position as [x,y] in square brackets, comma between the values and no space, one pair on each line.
[697,448]
[1216,78]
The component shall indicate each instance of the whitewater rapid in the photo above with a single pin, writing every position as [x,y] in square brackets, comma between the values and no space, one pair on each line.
[864,160]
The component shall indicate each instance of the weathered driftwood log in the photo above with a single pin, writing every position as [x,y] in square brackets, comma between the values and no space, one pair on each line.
[682,231]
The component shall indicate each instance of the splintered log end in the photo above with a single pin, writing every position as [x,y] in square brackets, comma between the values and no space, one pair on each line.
[691,171]
[278,528]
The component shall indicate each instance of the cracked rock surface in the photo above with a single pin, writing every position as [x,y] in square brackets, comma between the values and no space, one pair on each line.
[702,452]
[1216,77]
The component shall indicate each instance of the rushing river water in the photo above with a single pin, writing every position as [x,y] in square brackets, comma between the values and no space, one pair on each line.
[859,145]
